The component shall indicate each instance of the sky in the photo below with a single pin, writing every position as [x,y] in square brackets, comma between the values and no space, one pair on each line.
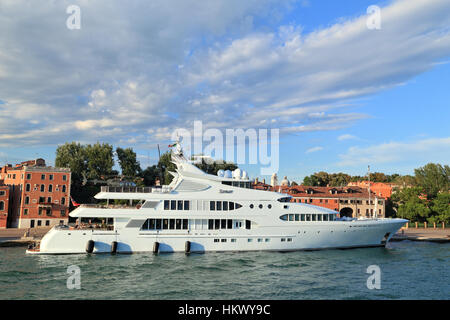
[343,96]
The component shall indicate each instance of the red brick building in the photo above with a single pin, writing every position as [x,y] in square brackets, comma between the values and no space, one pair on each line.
[348,201]
[39,195]
[382,190]
[4,204]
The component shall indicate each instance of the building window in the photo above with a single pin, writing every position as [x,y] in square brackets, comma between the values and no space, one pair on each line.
[27,200]
[47,223]
[63,213]
[39,223]
[64,188]
[2,205]
[50,177]
[41,199]
[42,176]
[63,200]
[28,187]
[28,176]
[25,212]
[42,187]
[40,211]
[64,178]
[49,200]
[50,188]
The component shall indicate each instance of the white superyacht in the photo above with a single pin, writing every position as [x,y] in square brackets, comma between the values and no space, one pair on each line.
[199,212]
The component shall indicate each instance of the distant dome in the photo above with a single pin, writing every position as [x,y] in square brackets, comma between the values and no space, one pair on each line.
[220,173]
[237,173]
[285,181]
[227,174]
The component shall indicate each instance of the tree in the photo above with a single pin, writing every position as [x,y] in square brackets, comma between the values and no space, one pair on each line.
[433,178]
[414,209]
[311,181]
[440,208]
[128,164]
[72,155]
[100,160]
[150,174]
[165,164]
[339,180]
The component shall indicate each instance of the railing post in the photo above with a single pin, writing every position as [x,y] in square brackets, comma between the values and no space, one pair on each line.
[425,224]
[417,225]
[443,225]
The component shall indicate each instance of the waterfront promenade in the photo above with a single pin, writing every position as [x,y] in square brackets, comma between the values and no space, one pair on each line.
[16,237]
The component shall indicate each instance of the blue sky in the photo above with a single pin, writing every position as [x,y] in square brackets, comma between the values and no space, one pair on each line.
[343,96]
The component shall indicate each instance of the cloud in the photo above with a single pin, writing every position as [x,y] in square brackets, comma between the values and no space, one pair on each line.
[119,78]
[427,150]
[347,137]
[314,149]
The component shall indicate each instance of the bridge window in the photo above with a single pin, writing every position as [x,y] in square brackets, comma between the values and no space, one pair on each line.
[248,224]
[284,217]
[225,206]
[173,205]
[314,217]
[284,199]
[166,204]
[231,205]
[212,205]
[325,217]
[219,205]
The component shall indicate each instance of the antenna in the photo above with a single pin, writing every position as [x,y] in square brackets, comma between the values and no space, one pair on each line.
[368,174]
[160,167]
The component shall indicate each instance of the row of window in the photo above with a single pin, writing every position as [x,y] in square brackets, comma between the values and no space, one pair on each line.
[50,176]
[48,212]
[42,200]
[251,240]
[42,188]
[239,184]
[183,224]
[213,205]
[39,223]
[308,217]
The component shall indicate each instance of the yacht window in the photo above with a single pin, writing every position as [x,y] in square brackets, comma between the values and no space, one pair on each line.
[216,224]
[165,224]
[267,240]
[332,217]
[308,217]
[291,217]
[269,206]
[284,217]
[219,205]
[173,204]
[186,205]
[249,240]
[319,217]
[223,240]
[237,206]
[283,239]
[152,224]
[251,206]
[178,224]
[313,217]
[223,224]
[235,184]
[212,205]
[260,240]
[172,224]
[248,224]
[325,217]
[216,240]
[289,239]
[158,224]
[302,217]
[231,205]
[180,205]
[228,183]
[145,225]
[210,224]
[260,206]
[225,206]
[233,240]
[166,204]
[185,224]
[284,199]
[297,217]
[229,224]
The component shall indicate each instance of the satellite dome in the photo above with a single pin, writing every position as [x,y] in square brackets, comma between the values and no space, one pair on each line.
[237,173]
[244,175]
[220,173]
[227,174]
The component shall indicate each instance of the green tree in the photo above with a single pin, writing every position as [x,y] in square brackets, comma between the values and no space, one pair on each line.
[440,208]
[339,180]
[72,155]
[128,163]
[433,178]
[414,209]
[100,160]
[150,174]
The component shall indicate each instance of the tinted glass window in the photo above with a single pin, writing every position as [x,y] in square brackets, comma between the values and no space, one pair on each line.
[219,205]
[212,205]
[231,205]
[173,204]
[180,205]
[225,205]
[186,205]
[166,204]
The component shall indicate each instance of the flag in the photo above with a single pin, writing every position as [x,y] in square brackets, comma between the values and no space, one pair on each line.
[75,204]
[172,145]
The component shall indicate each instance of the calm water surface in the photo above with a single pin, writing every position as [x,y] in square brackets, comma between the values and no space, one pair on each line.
[410,270]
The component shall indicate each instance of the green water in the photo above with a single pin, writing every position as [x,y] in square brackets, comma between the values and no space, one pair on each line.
[409,270]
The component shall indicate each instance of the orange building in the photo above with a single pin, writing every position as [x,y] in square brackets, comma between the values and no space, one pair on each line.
[39,195]
[4,204]
[348,201]
[383,190]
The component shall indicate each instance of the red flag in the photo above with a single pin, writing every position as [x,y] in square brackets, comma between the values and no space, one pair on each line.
[75,204]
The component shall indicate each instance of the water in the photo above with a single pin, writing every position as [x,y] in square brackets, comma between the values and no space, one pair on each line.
[410,270]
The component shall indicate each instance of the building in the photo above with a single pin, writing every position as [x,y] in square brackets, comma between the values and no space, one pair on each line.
[4,204]
[348,201]
[39,195]
[382,190]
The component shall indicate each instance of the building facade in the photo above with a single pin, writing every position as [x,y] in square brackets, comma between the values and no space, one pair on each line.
[4,204]
[382,190]
[39,195]
[353,202]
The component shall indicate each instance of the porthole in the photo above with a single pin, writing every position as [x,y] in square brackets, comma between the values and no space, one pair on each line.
[260,206]
[251,206]
[269,206]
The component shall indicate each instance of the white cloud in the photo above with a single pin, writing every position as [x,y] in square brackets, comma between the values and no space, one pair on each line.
[347,137]
[426,150]
[314,149]
[119,77]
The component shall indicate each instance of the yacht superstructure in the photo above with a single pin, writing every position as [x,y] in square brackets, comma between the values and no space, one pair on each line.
[199,212]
